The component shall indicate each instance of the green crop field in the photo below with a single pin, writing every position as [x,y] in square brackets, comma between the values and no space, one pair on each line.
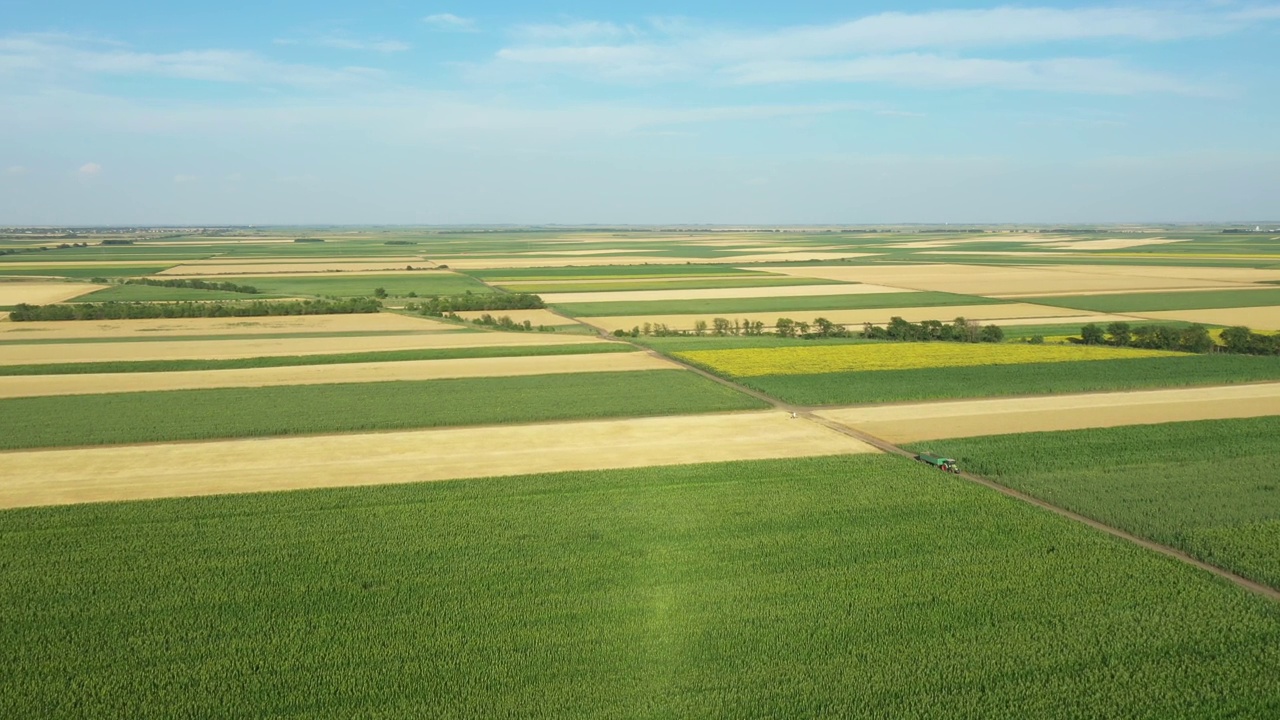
[550,286]
[150,366]
[70,420]
[850,388]
[426,282]
[1210,488]
[1153,302]
[729,306]
[832,587]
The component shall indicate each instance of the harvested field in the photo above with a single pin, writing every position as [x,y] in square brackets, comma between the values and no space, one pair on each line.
[717,293]
[1111,244]
[258,267]
[975,418]
[42,293]
[995,281]
[162,327]
[59,477]
[18,354]
[535,317]
[92,384]
[1013,312]
[1215,274]
[1256,318]
[472,262]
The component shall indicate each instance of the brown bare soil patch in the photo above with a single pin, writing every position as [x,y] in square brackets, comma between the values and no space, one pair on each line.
[974,418]
[59,477]
[38,385]
[41,293]
[20,354]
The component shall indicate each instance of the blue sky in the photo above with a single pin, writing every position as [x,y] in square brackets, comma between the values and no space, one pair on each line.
[661,112]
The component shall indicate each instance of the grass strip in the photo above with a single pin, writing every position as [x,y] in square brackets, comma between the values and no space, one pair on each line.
[782,305]
[151,366]
[352,407]
[863,586]
[851,388]
[659,284]
[1207,487]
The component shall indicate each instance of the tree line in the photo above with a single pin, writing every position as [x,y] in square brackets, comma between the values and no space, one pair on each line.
[442,305]
[143,310]
[192,284]
[1239,340]
[959,330]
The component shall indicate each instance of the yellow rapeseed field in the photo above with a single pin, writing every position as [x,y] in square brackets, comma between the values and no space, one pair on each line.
[755,362]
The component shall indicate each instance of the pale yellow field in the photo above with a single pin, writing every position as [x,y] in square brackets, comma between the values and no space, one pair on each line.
[1112,244]
[292,267]
[1216,274]
[993,281]
[162,327]
[58,477]
[1255,318]
[998,314]
[42,293]
[717,293]
[575,253]
[974,418]
[94,384]
[536,317]
[526,285]
[21,354]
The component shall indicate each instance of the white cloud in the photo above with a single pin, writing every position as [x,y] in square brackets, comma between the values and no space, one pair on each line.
[53,56]
[15,170]
[89,169]
[580,31]
[338,42]
[908,48]
[449,21]
[185,179]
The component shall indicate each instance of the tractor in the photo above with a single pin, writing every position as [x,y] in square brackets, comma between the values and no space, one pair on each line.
[942,463]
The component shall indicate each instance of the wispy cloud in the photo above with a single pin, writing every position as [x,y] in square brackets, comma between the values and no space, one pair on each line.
[15,170]
[338,42]
[449,21]
[90,169]
[918,49]
[62,55]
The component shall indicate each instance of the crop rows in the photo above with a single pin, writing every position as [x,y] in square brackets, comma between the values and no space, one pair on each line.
[850,587]
[898,356]
[349,407]
[1210,488]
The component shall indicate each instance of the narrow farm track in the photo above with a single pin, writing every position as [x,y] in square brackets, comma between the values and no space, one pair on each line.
[807,413]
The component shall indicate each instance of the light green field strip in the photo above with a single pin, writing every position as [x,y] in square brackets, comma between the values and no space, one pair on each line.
[718,293]
[229,349]
[93,384]
[54,477]
[975,418]
[668,283]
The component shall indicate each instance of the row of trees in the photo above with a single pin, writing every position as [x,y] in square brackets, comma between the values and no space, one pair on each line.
[142,310]
[444,304]
[1193,338]
[194,285]
[958,330]
[1244,341]
[504,322]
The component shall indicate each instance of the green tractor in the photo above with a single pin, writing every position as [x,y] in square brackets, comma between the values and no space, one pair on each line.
[942,463]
